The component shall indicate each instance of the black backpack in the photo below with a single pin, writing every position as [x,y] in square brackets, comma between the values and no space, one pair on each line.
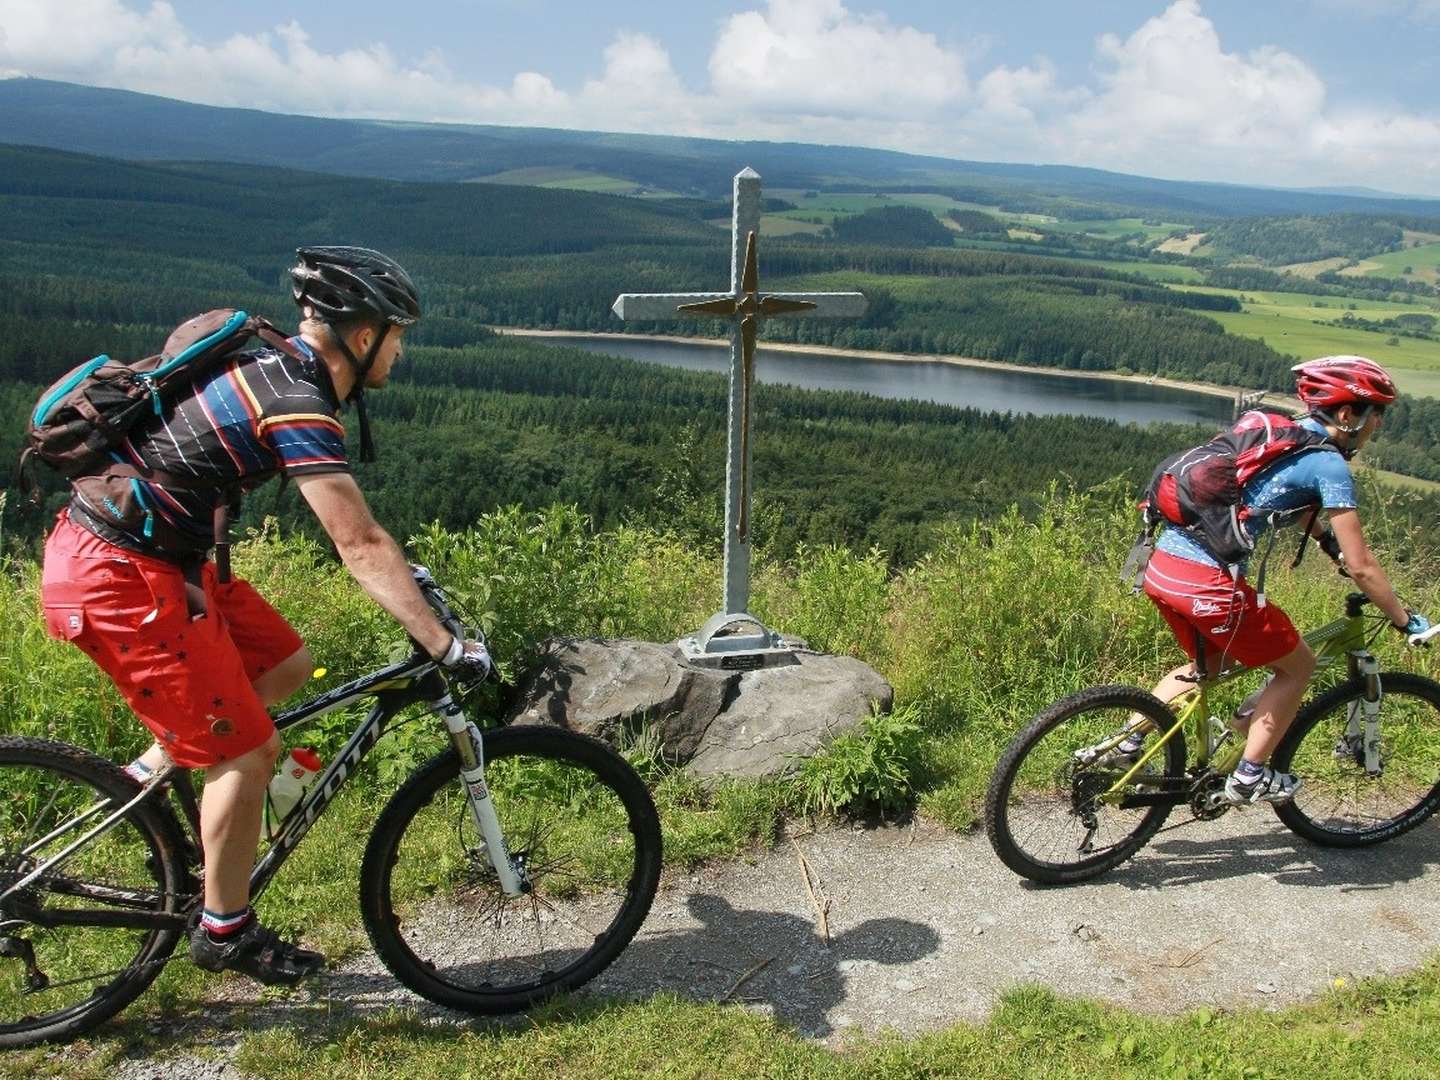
[79,423]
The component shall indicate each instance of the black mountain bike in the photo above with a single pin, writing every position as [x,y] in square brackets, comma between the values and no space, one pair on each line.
[513,866]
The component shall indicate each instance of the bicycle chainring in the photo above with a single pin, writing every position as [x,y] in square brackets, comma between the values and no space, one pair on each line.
[1207,796]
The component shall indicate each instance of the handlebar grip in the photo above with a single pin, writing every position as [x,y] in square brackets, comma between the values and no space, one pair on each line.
[1423,639]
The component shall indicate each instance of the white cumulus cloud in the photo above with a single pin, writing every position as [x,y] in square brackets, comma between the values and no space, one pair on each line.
[816,55]
[1171,88]
[1166,98]
[1173,102]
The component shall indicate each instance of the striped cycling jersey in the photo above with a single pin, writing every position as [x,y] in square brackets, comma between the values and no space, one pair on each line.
[262,413]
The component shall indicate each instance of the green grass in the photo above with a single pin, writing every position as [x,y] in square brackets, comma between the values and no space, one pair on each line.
[555,176]
[1381,1029]
[1111,228]
[1413,483]
[1424,262]
[1169,273]
[973,649]
[1302,326]
[1302,338]
[1303,306]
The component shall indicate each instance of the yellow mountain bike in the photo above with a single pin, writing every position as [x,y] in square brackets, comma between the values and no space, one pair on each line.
[1066,804]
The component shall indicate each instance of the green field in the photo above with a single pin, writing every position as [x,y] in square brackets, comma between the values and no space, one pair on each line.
[1170,273]
[547,176]
[1294,323]
[1400,480]
[1424,262]
[1303,338]
[830,205]
[1112,228]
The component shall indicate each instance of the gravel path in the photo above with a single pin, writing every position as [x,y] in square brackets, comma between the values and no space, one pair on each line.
[927,928]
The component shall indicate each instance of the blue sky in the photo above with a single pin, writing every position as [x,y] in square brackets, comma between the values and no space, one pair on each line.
[1293,92]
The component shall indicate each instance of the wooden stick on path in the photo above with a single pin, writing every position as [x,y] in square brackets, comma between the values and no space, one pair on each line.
[822,910]
[747,977]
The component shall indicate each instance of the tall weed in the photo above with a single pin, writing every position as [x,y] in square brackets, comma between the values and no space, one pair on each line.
[1000,618]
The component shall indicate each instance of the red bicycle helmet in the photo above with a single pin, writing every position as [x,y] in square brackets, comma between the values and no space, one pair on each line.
[1333,381]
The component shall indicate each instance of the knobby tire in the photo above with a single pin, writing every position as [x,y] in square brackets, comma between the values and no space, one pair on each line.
[1050,799]
[94,971]
[585,826]
[1339,805]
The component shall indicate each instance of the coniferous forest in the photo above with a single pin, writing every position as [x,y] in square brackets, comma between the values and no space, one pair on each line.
[105,256]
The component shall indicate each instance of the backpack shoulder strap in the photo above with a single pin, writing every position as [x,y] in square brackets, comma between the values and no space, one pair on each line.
[276,340]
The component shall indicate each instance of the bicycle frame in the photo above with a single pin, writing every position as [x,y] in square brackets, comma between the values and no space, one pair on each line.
[1344,637]
[395,688]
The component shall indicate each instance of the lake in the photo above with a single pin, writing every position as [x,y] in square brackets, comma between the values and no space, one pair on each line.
[932,380]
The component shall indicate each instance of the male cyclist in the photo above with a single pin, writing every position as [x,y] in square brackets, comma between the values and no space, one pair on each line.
[201,674]
[1199,599]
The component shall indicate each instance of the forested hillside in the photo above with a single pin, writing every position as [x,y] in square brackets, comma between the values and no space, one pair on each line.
[130,125]
[507,421]
[107,242]
[99,255]
[1277,241]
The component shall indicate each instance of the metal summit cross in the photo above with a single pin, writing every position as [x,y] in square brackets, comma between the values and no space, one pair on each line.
[745,305]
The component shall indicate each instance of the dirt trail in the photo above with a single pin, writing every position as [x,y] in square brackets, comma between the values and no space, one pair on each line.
[927,927]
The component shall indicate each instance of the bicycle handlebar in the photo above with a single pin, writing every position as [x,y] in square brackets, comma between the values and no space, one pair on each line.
[1425,638]
[435,597]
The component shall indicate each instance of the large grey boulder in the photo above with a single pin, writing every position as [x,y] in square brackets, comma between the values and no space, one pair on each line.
[715,723]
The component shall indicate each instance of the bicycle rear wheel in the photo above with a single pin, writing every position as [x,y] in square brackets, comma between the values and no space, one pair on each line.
[58,980]
[1047,812]
[1339,804]
[578,820]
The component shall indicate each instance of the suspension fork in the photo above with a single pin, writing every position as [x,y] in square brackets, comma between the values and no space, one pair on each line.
[465,737]
[1362,722]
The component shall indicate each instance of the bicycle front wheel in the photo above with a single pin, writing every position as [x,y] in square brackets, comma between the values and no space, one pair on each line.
[581,826]
[75,947]
[1050,811]
[1339,804]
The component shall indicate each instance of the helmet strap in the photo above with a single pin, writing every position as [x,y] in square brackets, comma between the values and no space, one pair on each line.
[357,392]
[367,443]
[1326,417]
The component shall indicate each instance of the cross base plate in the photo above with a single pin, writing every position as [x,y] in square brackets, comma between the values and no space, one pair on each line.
[736,641]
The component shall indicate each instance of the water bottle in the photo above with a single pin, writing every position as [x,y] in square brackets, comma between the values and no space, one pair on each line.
[288,786]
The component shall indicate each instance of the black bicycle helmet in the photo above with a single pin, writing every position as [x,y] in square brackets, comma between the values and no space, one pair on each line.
[342,284]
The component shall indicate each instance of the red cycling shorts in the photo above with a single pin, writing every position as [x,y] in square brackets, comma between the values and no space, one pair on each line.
[189,680]
[1193,596]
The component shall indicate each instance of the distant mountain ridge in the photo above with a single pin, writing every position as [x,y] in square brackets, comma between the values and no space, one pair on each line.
[121,123]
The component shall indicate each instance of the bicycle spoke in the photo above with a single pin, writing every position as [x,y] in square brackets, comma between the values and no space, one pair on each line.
[1053,810]
[566,917]
[67,959]
[575,844]
[1339,802]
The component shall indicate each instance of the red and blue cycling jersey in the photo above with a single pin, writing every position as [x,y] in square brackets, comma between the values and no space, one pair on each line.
[262,413]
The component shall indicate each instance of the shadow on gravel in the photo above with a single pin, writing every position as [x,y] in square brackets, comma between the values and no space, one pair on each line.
[1285,858]
[769,958]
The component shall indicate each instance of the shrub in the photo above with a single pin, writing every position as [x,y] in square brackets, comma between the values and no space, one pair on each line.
[870,768]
